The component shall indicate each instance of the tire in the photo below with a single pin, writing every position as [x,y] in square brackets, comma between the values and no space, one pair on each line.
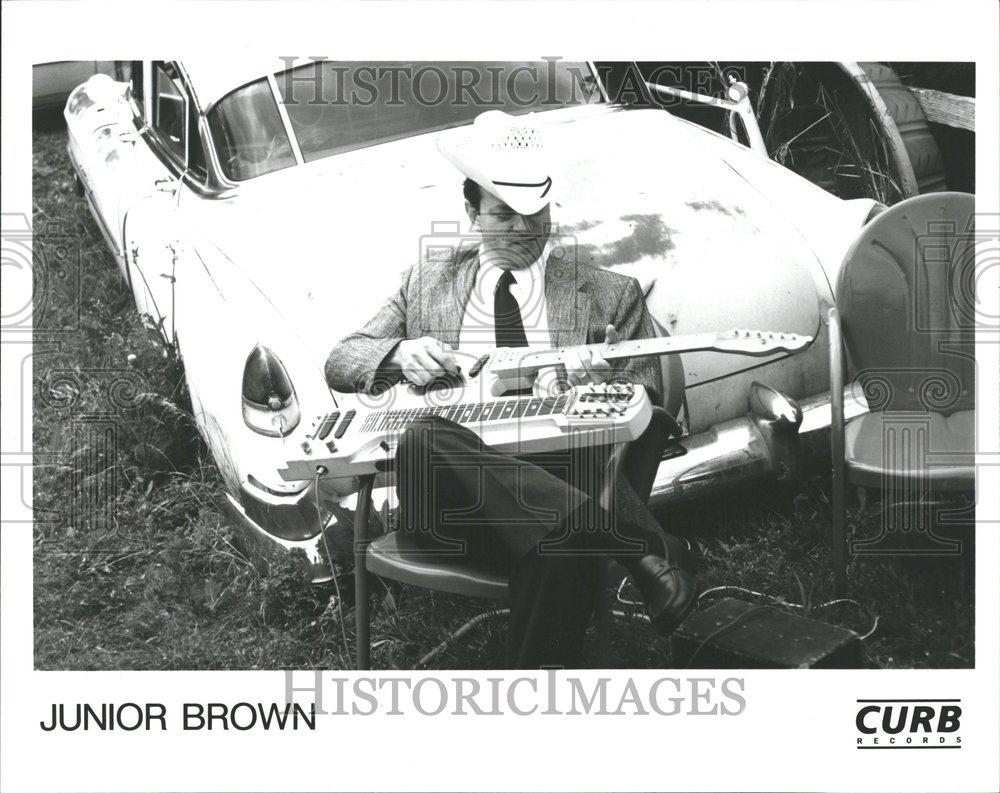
[851,128]
[918,163]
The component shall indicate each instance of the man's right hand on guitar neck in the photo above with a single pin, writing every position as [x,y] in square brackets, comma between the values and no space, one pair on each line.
[424,359]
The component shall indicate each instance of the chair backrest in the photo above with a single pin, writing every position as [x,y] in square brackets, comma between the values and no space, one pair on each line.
[906,298]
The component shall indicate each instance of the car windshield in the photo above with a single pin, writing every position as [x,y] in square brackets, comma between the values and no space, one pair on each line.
[335,106]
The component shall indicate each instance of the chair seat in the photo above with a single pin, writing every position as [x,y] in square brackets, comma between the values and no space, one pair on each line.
[912,446]
[395,555]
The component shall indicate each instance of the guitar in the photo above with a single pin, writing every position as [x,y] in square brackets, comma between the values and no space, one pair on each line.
[360,435]
[515,367]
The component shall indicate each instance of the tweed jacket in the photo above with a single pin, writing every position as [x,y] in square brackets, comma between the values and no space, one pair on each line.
[581,300]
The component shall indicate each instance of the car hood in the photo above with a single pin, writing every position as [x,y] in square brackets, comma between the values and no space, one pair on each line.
[637,190]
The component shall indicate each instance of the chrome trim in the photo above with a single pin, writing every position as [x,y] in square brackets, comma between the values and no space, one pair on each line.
[738,451]
[275,497]
[215,185]
[285,120]
[216,175]
[816,415]
[777,417]
[740,107]
[223,185]
[729,452]
[196,186]
[769,404]
[269,545]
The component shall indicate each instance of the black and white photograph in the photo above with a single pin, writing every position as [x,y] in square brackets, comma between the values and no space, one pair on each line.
[490,383]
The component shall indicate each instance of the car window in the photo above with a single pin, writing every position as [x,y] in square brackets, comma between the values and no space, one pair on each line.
[249,137]
[337,106]
[169,108]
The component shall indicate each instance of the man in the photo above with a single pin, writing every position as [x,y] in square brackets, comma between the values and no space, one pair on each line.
[535,517]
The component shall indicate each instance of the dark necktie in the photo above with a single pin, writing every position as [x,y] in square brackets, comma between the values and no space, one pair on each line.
[507,315]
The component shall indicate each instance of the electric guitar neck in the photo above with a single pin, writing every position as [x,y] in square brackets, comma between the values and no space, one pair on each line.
[755,343]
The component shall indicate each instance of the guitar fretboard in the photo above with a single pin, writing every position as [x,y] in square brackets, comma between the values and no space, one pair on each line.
[467,412]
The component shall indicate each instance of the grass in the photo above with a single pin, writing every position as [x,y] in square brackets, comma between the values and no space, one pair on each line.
[136,567]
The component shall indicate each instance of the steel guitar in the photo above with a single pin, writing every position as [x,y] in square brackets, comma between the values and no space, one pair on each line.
[360,435]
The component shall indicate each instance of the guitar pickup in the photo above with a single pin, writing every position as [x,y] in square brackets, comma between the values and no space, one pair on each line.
[327,425]
[348,418]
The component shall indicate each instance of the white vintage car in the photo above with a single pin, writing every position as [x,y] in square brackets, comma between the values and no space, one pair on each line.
[258,217]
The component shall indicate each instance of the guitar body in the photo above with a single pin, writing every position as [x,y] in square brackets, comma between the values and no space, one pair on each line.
[360,435]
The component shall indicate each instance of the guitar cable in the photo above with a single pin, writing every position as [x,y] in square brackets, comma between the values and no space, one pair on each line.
[780,602]
[775,601]
[329,561]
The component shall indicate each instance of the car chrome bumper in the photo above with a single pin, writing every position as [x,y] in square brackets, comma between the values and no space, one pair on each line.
[744,449]
[261,541]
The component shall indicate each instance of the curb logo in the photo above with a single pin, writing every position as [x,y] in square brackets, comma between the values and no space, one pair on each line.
[909,723]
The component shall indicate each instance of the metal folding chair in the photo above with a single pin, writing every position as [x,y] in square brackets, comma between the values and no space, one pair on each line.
[907,324]
[395,555]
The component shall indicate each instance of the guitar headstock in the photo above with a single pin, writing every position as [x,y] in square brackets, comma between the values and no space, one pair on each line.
[759,342]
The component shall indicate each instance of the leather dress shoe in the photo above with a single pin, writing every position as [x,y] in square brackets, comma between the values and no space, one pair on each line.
[669,592]
[680,552]
[668,585]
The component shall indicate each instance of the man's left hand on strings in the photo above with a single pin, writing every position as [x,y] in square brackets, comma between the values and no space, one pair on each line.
[584,365]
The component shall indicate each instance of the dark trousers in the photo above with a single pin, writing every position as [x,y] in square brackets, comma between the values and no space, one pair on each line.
[533,519]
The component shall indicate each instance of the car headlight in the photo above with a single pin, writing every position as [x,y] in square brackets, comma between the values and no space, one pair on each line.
[269,403]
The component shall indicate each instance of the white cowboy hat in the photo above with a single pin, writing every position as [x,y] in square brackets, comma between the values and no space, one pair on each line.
[506,156]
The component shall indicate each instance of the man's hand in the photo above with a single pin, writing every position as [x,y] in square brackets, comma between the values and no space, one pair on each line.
[423,359]
[547,383]
[586,366]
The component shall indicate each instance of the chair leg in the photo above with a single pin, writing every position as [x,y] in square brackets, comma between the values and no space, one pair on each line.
[839,507]
[839,532]
[362,617]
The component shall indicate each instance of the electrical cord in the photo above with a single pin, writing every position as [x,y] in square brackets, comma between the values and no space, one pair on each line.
[458,634]
[834,602]
[730,588]
[333,571]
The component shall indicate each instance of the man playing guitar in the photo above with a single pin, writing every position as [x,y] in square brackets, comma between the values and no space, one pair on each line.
[532,517]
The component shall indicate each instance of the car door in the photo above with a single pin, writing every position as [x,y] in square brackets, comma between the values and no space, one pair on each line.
[169,172]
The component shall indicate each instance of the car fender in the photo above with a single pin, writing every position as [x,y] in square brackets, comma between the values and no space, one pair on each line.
[221,317]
